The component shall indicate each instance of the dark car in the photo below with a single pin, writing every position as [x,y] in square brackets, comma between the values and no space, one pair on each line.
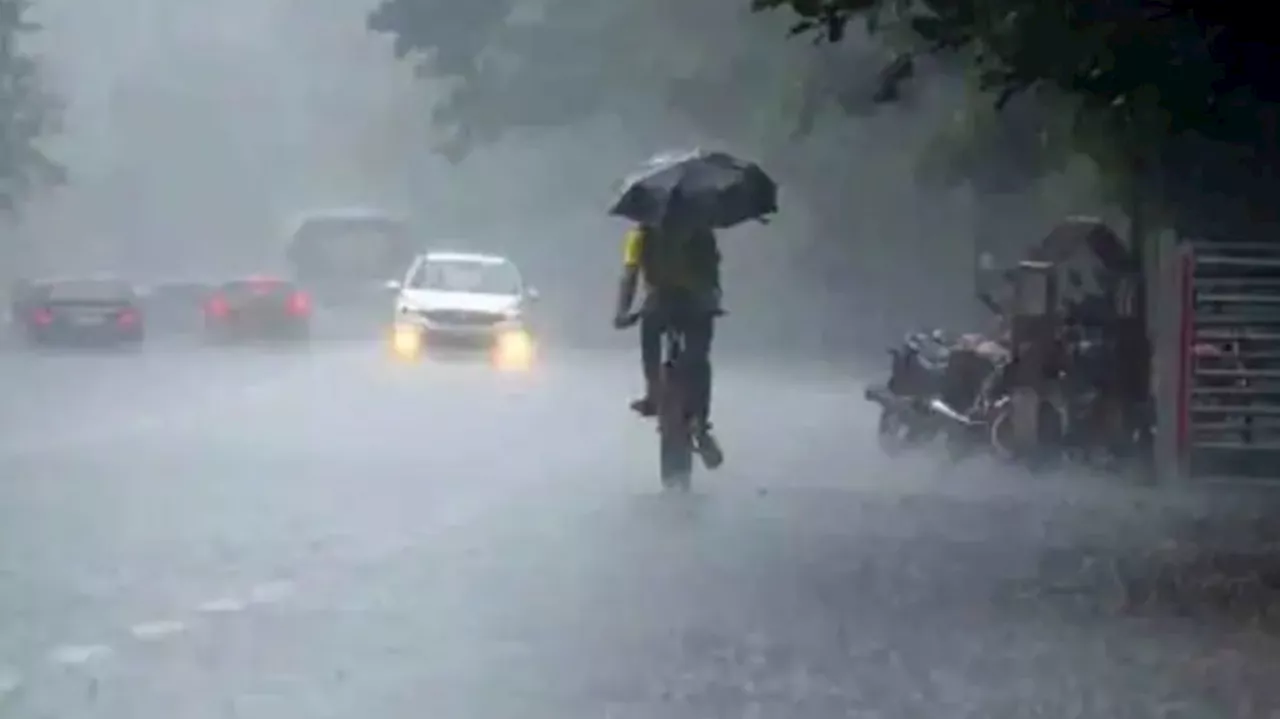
[92,311]
[257,308]
[176,306]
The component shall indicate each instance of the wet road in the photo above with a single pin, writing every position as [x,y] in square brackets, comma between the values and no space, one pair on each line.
[280,534]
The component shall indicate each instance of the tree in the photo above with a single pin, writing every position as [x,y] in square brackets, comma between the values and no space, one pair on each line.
[1162,91]
[501,70]
[552,64]
[27,112]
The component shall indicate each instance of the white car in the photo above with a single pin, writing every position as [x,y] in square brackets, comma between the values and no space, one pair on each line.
[462,300]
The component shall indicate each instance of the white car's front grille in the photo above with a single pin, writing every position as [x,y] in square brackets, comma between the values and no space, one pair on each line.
[463,318]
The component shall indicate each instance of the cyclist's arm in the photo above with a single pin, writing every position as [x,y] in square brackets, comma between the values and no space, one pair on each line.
[631,247]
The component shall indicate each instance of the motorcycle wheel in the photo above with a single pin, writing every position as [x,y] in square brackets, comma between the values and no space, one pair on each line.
[1052,423]
[1001,435]
[896,434]
[892,433]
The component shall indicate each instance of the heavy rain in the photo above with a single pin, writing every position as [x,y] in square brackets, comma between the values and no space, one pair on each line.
[320,394]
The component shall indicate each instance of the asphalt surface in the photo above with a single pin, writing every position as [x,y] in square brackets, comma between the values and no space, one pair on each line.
[283,534]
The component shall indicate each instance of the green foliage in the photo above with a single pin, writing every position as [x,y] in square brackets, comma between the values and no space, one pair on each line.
[27,112]
[548,67]
[1000,151]
[1147,80]
[451,35]
[1146,90]
[510,66]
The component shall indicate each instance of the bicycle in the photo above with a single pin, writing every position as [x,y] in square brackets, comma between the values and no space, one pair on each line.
[676,444]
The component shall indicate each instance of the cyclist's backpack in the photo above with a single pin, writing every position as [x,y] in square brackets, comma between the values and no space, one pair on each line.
[666,258]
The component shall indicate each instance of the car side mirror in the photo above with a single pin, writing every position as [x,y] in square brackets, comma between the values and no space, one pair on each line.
[392,285]
[532,294]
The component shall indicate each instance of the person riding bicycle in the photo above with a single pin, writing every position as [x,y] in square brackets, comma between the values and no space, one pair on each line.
[681,271]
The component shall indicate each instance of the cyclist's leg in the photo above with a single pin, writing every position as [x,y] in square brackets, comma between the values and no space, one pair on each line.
[650,361]
[699,330]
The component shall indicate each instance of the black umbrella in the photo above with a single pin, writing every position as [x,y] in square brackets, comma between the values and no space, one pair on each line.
[698,188]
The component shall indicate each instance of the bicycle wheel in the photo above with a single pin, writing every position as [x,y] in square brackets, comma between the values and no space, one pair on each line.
[675,444]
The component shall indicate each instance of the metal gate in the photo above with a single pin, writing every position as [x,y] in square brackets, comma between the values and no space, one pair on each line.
[1229,414]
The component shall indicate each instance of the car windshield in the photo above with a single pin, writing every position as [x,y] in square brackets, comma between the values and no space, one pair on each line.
[482,277]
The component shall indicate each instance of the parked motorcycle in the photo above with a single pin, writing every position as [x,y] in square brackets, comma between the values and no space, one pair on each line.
[916,371]
[977,408]
[1070,412]
[957,387]
[960,388]
[938,384]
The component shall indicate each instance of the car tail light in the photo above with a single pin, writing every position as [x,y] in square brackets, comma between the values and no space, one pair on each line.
[42,317]
[299,303]
[217,307]
[128,318]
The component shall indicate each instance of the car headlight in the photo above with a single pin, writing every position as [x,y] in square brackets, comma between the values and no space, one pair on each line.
[406,340]
[514,349]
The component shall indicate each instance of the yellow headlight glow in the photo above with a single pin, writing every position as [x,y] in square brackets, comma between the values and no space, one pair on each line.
[406,341]
[514,350]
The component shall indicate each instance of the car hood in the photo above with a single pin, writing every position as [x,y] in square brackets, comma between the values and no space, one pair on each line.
[476,302]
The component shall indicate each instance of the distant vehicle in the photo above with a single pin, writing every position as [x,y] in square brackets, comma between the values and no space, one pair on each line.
[257,308]
[175,306]
[80,311]
[346,255]
[463,301]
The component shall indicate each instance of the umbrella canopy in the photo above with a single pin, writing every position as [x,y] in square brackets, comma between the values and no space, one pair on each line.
[697,189]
